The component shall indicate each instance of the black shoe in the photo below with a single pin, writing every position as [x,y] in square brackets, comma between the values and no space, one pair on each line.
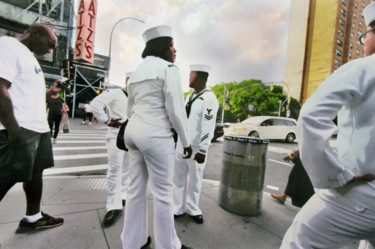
[179,215]
[45,222]
[123,203]
[110,217]
[197,218]
[147,243]
[185,247]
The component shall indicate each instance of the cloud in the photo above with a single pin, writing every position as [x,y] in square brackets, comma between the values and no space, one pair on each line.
[240,39]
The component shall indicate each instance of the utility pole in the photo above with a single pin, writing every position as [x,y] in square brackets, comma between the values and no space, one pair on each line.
[222,111]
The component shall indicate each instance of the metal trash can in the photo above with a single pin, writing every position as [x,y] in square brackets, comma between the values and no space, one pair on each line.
[242,175]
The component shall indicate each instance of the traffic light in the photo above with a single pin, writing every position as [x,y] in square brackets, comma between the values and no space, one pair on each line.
[69,69]
[289,100]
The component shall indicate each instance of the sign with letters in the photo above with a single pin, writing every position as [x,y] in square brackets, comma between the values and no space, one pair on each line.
[85,37]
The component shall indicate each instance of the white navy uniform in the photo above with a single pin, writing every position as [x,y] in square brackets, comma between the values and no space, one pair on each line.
[116,102]
[155,106]
[338,214]
[188,173]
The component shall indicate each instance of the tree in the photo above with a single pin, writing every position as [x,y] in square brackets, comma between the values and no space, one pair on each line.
[251,97]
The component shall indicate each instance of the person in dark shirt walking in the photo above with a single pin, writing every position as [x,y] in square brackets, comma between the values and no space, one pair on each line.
[55,110]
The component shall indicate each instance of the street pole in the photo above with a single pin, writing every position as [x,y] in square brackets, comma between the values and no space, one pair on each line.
[222,111]
[110,41]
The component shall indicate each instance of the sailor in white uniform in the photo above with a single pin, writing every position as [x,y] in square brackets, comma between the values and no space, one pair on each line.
[201,107]
[343,209]
[155,106]
[115,101]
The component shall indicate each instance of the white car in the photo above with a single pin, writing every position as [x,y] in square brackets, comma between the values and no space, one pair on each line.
[266,127]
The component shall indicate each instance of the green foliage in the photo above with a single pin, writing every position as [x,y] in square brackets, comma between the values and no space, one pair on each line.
[264,100]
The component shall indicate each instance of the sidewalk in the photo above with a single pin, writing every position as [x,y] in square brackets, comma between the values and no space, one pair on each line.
[80,200]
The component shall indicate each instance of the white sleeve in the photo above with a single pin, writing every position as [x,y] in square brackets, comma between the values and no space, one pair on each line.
[174,103]
[98,104]
[8,62]
[208,120]
[316,126]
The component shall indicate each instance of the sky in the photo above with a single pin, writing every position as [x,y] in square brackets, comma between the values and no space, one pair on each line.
[239,39]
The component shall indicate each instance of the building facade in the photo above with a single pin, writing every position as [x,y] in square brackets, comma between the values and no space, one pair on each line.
[323,35]
[86,78]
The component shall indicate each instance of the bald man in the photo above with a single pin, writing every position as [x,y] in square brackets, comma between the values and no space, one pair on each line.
[25,143]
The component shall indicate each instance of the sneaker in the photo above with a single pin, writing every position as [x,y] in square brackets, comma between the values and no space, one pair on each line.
[45,222]
[90,123]
[83,122]
[54,141]
[281,198]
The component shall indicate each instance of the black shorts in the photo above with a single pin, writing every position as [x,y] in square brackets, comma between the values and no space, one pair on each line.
[29,152]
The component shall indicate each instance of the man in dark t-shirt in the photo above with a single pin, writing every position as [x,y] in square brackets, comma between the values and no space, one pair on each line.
[54,104]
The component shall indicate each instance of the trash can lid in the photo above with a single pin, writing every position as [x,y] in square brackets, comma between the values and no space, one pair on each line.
[252,140]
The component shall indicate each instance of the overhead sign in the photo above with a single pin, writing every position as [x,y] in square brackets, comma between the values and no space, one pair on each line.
[85,37]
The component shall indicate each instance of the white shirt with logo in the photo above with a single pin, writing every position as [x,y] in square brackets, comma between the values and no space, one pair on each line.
[19,66]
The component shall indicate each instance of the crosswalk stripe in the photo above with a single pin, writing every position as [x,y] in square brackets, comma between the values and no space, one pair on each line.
[79,141]
[80,136]
[82,133]
[80,156]
[78,148]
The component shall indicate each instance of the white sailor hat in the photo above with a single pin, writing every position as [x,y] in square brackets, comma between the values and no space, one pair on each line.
[200,68]
[128,74]
[156,32]
[369,13]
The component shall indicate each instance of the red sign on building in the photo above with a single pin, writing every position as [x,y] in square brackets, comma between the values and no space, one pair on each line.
[85,36]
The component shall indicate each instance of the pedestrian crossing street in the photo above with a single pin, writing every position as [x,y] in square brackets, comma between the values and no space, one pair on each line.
[79,151]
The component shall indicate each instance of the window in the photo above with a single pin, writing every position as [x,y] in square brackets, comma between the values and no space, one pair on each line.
[289,123]
[357,51]
[337,62]
[361,24]
[341,22]
[343,1]
[350,55]
[351,45]
[353,25]
[339,42]
[340,32]
[338,52]
[267,122]
[363,4]
[358,43]
[355,15]
[343,12]
[359,33]
[279,122]
[356,5]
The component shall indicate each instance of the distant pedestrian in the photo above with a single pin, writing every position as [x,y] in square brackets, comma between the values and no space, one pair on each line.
[298,187]
[116,102]
[155,106]
[343,208]
[55,111]
[87,114]
[64,125]
[25,143]
[201,109]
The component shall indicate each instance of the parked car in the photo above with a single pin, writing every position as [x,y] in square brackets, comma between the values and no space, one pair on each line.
[266,127]
[219,131]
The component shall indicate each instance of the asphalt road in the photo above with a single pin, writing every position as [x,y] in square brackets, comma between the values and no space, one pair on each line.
[83,152]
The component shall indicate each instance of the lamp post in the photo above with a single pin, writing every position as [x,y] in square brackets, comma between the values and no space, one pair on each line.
[110,40]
